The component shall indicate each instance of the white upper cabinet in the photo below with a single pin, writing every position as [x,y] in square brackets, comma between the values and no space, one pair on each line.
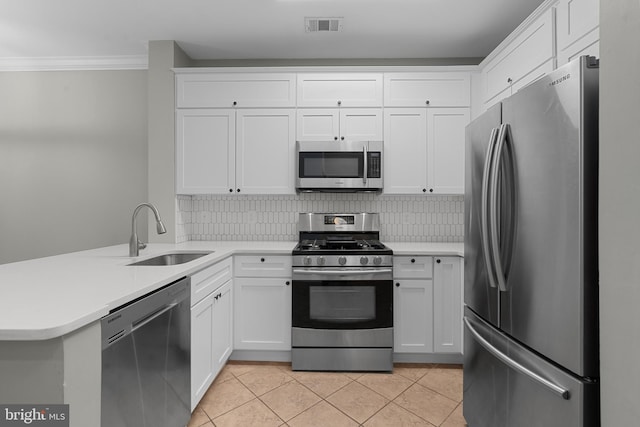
[265,151]
[227,90]
[445,149]
[339,90]
[205,151]
[577,29]
[427,89]
[334,124]
[530,50]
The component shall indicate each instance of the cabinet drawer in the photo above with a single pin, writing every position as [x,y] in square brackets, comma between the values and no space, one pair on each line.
[340,90]
[262,266]
[206,281]
[412,267]
[427,89]
[235,90]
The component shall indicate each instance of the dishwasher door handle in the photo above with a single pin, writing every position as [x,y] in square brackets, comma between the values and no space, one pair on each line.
[144,320]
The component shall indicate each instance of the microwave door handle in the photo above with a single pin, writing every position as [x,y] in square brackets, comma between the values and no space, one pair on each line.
[366,166]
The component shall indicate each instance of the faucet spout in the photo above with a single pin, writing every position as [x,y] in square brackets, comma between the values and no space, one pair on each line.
[134,243]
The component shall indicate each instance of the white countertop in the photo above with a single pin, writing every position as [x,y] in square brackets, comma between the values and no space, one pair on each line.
[48,297]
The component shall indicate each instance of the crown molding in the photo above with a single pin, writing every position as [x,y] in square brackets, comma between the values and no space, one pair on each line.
[75,63]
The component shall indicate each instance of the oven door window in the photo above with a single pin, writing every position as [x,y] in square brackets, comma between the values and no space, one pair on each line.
[343,305]
[331,164]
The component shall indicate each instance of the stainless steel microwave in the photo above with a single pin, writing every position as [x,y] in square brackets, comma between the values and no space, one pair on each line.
[339,166]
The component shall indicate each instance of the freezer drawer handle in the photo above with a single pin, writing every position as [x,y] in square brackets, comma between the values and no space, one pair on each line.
[562,392]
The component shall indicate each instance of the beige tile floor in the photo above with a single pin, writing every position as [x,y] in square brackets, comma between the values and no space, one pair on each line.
[271,394]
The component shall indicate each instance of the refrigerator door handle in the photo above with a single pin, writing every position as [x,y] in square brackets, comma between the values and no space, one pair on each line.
[484,214]
[559,390]
[502,146]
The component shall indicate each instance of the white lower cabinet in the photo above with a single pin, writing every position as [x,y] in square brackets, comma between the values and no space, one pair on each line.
[211,339]
[447,307]
[262,310]
[427,305]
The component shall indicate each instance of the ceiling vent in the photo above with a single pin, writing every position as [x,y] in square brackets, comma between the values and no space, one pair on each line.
[320,25]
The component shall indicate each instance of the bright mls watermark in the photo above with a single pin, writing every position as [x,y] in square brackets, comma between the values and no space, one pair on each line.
[34,415]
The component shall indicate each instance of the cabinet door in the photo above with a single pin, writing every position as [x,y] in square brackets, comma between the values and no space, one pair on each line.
[205,151]
[227,90]
[577,29]
[318,124]
[222,326]
[262,314]
[361,124]
[339,90]
[447,305]
[265,151]
[427,89]
[413,316]
[445,145]
[405,150]
[202,347]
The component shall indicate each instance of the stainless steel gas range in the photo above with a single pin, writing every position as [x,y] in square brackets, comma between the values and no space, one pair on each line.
[342,303]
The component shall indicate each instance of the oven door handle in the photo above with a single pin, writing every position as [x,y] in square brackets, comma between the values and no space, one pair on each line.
[342,272]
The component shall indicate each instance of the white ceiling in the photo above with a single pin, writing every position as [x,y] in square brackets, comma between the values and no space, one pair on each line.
[257,29]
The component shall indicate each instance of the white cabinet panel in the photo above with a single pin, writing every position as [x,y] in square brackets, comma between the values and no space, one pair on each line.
[348,124]
[445,149]
[528,51]
[222,325]
[577,29]
[413,267]
[427,89]
[202,363]
[201,90]
[206,281]
[265,151]
[262,314]
[405,150]
[339,89]
[262,266]
[205,151]
[447,305]
[413,316]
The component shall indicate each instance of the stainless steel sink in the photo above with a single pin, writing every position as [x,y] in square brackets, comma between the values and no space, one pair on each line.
[172,258]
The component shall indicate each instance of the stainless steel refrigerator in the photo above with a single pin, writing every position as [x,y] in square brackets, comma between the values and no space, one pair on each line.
[531,256]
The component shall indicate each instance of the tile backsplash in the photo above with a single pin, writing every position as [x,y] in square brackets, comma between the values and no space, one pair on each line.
[425,218]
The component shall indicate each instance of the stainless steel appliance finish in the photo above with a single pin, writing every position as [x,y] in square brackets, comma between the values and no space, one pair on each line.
[338,166]
[342,295]
[146,361]
[531,279]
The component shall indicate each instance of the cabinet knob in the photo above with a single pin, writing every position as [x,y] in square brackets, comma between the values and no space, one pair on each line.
[413,260]
[509,80]
[397,285]
[438,261]
[424,190]
[339,103]
[237,190]
[431,190]
[231,190]
[342,138]
[335,138]
[287,283]
[427,102]
[261,259]
[235,103]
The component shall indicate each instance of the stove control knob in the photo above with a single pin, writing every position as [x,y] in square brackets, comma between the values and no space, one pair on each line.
[320,260]
[364,260]
[342,260]
[306,260]
[377,260]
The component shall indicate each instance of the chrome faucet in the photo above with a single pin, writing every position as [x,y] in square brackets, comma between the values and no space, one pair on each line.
[134,243]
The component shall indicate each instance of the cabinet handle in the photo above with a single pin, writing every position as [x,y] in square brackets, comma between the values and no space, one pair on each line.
[397,285]
[286,283]
[261,259]
[509,80]
[438,261]
[413,260]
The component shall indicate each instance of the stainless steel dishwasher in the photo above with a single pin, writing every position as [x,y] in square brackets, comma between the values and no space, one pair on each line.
[146,360]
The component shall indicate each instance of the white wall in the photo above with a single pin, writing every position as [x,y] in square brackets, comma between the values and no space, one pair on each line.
[73,160]
[620,212]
